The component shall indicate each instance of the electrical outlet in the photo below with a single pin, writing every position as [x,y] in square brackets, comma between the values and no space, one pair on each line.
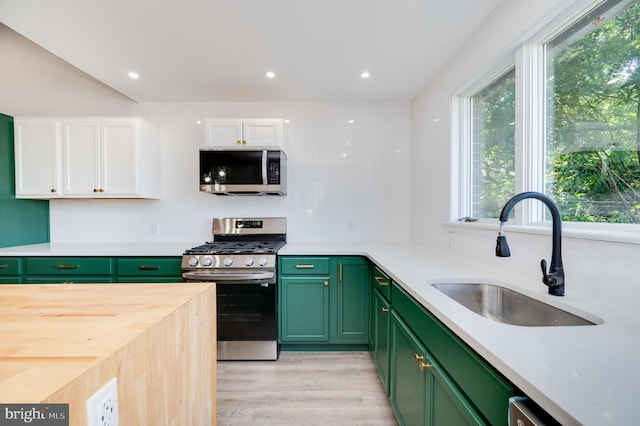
[102,406]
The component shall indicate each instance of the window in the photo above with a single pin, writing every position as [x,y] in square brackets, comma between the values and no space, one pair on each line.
[575,98]
[493,118]
[592,162]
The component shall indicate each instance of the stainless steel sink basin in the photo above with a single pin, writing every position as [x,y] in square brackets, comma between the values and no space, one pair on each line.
[507,306]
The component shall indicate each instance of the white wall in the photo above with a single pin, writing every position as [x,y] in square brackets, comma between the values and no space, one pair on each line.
[33,82]
[600,270]
[369,187]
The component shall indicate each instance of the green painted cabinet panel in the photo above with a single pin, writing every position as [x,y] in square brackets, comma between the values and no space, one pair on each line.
[421,393]
[50,270]
[149,269]
[380,324]
[304,265]
[11,270]
[352,300]
[21,221]
[481,384]
[304,309]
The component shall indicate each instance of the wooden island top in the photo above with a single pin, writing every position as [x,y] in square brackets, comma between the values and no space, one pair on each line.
[62,342]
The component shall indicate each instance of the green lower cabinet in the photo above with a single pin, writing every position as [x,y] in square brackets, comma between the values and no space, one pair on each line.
[11,270]
[323,300]
[304,309]
[380,326]
[52,270]
[421,394]
[148,270]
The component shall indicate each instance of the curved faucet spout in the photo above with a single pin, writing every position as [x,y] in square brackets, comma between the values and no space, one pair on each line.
[554,279]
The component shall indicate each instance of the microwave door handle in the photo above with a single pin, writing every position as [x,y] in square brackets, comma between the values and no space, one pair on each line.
[264,167]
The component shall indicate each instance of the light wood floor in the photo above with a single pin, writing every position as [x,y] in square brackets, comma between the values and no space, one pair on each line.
[303,388]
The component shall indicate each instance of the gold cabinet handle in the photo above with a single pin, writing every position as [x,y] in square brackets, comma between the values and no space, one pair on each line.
[66,266]
[148,268]
[244,142]
[424,365]
[326,283]
[381,281]
[4,266]
[53,190]
[418,358]
[238,143]
[341,272]
[305,266]
[384,310]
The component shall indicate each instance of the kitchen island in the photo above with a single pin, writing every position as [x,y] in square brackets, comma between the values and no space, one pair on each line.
[61,343]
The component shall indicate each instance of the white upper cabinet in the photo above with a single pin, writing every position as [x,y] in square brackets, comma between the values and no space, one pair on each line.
[37,146]
[243,133]
[95,158]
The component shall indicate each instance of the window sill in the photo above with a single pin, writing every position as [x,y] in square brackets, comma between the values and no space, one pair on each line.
[624,234]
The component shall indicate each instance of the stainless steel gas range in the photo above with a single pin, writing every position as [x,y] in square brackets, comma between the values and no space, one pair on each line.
[241,260]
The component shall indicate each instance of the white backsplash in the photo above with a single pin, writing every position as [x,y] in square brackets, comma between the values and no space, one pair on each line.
[346,181]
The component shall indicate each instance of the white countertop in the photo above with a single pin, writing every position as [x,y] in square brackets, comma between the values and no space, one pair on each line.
[580,375]
[99,249]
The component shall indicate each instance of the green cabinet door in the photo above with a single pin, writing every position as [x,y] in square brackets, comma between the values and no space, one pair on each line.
[304,309]
[408,383]
[380,324]
[352,300]
[421,393]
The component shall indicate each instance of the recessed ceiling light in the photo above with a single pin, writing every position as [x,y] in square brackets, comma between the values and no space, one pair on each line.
[134,75]
[365,74]
[270,74]
[351,121]
[287,121]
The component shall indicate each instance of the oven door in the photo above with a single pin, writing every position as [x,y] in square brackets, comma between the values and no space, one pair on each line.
[247,324]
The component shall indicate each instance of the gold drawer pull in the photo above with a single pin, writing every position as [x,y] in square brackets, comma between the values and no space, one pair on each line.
[4,266]
[384,310]
[148,268]
[424,365]
[326,283]
[305,266]
[381,281]
[66,266]
[418,358]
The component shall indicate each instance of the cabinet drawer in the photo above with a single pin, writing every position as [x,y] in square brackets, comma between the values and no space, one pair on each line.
[149,267]
[304,265]
[69,266]
[381,282]
[10,266]
[484,386]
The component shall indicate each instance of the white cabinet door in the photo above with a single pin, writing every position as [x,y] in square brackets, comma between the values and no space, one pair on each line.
[37,156]
[81,157]
[119,158]
[263,132]
[243,133]
[223,133]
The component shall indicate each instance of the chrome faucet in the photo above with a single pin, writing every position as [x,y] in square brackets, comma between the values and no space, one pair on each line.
[554,279]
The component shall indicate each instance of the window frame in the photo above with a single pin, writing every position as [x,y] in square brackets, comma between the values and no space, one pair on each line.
[529,60]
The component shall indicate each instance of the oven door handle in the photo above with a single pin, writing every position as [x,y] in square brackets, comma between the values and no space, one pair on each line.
[208,276]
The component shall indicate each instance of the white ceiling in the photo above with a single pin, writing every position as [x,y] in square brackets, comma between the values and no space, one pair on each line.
[219,50]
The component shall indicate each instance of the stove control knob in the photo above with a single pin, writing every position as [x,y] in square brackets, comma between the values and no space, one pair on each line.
[228,261]
[248,261]
[262,261]
[193,261]
[207,261]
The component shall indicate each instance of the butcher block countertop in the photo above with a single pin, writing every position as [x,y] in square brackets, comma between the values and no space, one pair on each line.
[61,343]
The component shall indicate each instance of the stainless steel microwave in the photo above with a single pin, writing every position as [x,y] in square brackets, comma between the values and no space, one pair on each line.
[243,171]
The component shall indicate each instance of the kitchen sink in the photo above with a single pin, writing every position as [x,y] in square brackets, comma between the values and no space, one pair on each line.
[508,306]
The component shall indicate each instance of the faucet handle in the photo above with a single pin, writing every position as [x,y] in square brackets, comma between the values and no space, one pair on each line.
[548,279]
